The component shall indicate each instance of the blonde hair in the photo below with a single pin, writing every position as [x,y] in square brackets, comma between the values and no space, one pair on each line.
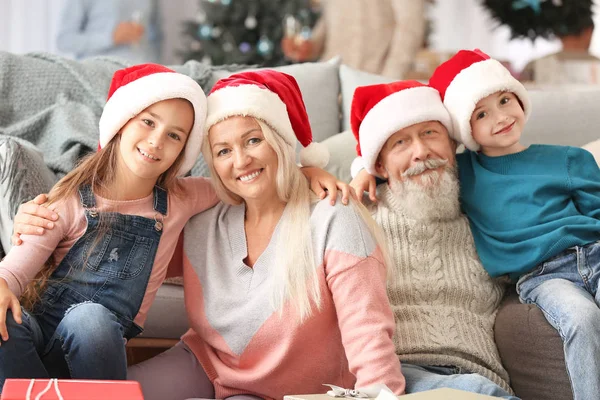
[99,171]
[296,277]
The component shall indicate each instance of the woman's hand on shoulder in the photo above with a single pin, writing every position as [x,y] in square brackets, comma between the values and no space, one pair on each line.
[33,218]
[8,300]
[365,182]
[324,184]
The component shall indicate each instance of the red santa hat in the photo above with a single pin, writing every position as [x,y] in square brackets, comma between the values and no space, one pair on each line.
[135,88]
[273,97]
[466,78]
[379,111]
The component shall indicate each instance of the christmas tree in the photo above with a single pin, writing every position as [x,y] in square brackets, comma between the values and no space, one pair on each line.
[542,18]
[246,31]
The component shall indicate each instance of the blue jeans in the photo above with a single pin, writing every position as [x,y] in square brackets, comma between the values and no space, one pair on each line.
[77,328]
[422,378]
[565,288]
[88,331]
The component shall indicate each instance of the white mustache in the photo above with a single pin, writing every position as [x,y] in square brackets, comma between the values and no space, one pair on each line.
[423,166]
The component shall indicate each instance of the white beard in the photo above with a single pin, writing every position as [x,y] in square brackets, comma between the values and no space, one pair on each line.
[433,197]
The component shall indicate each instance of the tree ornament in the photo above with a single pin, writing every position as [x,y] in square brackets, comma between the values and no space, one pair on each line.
[205,31]
[227,47]
[201,17]
[265,46]
[245,47]
[216,32]
[250,22]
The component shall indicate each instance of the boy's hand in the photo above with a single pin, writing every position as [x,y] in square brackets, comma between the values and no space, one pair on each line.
[32,219]
[8,300]
[365,182]
[322,182]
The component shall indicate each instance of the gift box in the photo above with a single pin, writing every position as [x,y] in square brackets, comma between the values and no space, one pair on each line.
[70,389]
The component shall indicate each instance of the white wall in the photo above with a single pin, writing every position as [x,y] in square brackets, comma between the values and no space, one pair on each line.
[28,25]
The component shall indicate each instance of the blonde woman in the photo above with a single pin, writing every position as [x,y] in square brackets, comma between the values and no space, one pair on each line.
[86,287]
[283,292]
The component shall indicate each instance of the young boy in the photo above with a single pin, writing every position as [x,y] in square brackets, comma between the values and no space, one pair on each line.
[534,211]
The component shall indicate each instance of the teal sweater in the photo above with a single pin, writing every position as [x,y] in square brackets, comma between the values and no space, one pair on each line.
[527,207]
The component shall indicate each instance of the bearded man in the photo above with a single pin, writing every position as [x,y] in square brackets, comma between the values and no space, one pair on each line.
[444,302]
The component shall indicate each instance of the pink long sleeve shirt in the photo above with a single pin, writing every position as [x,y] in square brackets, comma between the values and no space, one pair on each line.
[22,263]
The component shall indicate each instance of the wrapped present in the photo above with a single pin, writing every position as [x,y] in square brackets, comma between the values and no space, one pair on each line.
[70,389]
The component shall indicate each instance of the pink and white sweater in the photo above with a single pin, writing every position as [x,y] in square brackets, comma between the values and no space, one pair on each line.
[246,347]
[22,263]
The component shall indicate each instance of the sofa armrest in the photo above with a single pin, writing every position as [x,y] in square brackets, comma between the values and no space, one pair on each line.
[167,318]
[23,175]
[531,351]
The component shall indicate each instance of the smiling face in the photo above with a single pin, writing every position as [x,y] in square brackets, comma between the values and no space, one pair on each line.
[152,140]
[497,123]
[415,152]
[245,163]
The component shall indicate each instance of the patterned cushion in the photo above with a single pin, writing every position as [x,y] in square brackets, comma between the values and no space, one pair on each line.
[23,175]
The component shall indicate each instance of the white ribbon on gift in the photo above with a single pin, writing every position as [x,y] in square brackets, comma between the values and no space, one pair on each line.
[378,391]
[43,392]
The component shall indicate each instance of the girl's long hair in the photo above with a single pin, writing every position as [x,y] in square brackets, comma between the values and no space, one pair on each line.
[296,278]
[98,170]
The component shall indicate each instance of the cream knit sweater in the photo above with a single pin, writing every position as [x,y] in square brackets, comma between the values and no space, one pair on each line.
[444,302]
[377,36]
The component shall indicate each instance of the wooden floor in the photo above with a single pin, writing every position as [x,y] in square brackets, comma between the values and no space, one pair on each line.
[141,349]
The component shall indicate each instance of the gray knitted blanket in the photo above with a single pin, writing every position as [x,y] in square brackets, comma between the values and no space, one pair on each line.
[55,103]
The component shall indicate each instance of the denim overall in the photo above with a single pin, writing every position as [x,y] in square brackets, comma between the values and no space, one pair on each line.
[78,328]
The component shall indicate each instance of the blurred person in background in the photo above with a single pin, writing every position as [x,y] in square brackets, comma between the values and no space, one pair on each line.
[127,29]
[569,21]
[380,37]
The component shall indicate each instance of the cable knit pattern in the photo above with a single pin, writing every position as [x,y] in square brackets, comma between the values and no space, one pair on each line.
[444,302]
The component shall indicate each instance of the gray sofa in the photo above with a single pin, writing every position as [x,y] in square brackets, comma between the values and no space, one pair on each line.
[531,350]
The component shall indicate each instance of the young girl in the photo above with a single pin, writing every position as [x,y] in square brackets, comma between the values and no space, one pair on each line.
[88,283]
[534,211]
[104,268]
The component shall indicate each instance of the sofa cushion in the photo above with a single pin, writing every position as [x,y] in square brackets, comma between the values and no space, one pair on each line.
[23,175]
[167,318]
[342,151]
[350,79]
[531,351]
[563,115]
[320,87]
[594,148]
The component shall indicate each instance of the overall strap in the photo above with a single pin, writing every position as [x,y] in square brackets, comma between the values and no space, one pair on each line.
[87,196]
[160,200]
